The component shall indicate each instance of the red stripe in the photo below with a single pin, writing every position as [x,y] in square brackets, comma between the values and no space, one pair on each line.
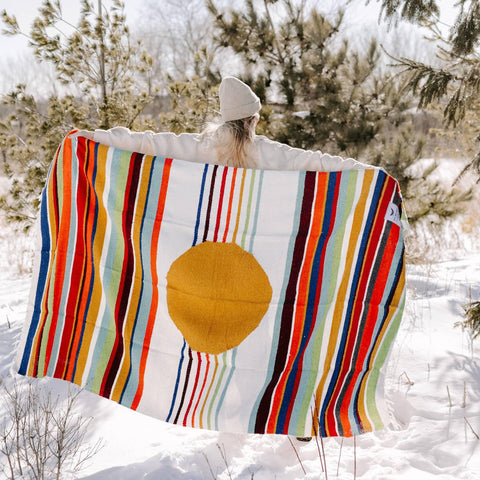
[220,203]
[63,237]
[153,266]
[54,222]
[128,270]
[375,235]
[87,269]
[230,202]
[192,396]
[318,288]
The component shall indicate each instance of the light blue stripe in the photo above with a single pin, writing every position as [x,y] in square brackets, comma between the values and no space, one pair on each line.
[278,316]
[379,324]
[69,259]
[227,383]
[145,301]
[113,206]
[329,286]
[257,209]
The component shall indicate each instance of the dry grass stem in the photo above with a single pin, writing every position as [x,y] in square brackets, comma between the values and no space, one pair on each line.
[449,397]
[296,453]
[471,428]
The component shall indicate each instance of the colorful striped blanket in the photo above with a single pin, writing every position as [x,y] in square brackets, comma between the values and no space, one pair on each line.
[216,297]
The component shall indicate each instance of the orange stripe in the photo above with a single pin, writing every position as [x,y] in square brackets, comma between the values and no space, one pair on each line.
[229,212]
[242,186]
[87,269]
[130,316]
[96,254]
[60,253]
[318,212]
[340,303]
[153,307]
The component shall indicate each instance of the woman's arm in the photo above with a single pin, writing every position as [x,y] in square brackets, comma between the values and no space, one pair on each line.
[185,146]
[278,156]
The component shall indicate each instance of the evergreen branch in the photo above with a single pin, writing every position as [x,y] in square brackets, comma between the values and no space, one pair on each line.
[414,11]
[275,40]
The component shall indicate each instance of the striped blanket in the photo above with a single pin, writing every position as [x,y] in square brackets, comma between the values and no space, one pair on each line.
[214,297]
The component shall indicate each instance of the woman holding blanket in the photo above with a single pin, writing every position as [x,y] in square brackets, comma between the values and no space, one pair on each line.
[233,142]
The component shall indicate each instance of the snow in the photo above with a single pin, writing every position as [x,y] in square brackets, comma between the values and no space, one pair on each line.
[433,385]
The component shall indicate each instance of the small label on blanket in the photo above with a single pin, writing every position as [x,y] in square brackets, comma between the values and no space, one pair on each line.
[393,213]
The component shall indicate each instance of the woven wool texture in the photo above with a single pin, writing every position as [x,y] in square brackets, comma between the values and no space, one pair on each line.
[289,287]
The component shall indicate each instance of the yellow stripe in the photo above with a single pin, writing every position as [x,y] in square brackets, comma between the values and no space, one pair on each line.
[98,243]
[136,288]
[342,291]
[392,311]
[208,391]
[239,206]
[48,289]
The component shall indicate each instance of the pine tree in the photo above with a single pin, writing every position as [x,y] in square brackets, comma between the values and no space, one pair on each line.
[453,79]
[317,91]
[320,93]
[105,81]
[400,154]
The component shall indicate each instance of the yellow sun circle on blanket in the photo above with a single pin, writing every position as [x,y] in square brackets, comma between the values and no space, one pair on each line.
[217,294]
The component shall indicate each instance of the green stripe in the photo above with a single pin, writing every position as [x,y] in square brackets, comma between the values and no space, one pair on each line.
[217,388]
[249,206]
[278,315]
[111,279]
[257,209]
[330,274]
[379,361]
[227,383]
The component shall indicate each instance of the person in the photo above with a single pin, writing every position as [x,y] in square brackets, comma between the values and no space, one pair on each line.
[232,141]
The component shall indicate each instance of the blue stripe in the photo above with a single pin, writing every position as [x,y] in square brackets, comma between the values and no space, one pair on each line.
[145,299]
[200,201]
[313,287]
[95,217]
[42,279]
[227,383]
[177,382]
[354,285]
[390,290]
[278,316]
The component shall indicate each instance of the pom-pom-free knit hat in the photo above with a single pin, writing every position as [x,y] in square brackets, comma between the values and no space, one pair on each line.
[237,100]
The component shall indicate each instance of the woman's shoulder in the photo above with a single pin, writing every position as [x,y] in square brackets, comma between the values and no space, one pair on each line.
[280,156]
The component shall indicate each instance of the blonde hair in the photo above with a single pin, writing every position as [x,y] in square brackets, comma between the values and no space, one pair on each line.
[233,141]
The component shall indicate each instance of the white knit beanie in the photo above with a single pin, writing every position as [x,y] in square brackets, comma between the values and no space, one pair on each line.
[237,100]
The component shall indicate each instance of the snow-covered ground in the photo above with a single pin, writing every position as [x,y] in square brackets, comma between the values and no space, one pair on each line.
[433,385]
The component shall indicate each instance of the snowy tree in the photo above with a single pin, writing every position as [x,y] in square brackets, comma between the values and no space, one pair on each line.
[106,81]
[319,92]
[452,79]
